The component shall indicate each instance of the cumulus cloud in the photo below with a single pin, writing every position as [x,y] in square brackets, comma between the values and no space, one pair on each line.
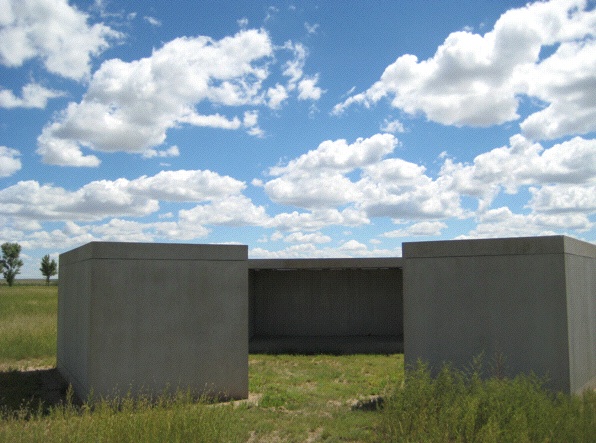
[564,198]
[424,228]
[152,20]
[392,126]
[308,89]
[567,82]
[235,210]
[523,163]
[313,237]
[502,222]
[317,219]
[33,95]
[172,151]
[316,179]
[130,106]
[9,162]
[294,69]
[476,80]
[388,187]
[350,248]
[98,200]
[53,31]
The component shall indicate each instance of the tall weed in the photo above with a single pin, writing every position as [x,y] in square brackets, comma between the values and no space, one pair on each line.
[456,406]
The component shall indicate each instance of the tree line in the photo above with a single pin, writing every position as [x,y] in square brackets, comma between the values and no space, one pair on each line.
[11,264]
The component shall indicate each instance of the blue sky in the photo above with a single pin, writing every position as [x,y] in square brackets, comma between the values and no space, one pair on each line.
[302,129]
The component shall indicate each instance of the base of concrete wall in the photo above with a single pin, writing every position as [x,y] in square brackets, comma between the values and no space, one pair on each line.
[386,344]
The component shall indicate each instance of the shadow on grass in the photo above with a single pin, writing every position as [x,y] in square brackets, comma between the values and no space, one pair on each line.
[31,391]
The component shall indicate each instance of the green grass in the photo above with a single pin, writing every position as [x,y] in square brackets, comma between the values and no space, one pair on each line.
[27,326]
[458,406]
[293,398]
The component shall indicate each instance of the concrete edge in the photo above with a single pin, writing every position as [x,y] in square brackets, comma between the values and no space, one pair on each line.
[154,251]
[487,247]
[581,248]
[325,263]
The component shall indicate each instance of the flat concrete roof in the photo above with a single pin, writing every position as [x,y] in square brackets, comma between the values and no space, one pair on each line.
[154,251]
[556,244]
[325,263]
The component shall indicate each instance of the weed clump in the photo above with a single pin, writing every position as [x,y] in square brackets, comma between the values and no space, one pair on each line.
[458,406]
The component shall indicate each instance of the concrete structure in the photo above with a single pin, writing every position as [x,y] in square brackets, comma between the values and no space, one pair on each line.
[147,317]
[144,318]
[533,300]
[326,305]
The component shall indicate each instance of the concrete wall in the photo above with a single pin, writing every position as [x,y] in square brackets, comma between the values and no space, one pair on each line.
[528,299]
[580,276]
[326,305]
[147,317]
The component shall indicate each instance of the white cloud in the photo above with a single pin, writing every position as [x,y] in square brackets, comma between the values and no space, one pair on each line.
[387,188]
[235,210]
[308,89]
[9,163]
[53,31]
[564,198]
[477,79]
[172,151]
[351,248]
[424,228]
[277,95]
[152,21]
[567,81]
[523,163]
[317,219]
[129,106]
[294,69]
[392,126]
[502,222]
[339,156]
[311,29]
[313,237]
[33,95]
[316,179]
[119,198]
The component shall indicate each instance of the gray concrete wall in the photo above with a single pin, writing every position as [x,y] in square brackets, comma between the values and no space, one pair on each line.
[149,317]
[325,305]
[502,296]
[580,267]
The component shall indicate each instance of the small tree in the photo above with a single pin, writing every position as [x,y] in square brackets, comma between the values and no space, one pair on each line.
[48,268]
[10,263]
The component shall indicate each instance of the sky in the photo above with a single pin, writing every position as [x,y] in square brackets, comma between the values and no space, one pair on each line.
[299,128]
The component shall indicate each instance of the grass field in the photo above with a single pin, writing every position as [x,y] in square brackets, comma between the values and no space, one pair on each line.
[293,398]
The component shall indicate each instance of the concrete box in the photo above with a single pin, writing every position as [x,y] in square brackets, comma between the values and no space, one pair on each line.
[531,300]
[147,318]
[326,305]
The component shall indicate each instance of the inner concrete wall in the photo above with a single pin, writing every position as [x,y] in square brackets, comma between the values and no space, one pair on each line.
[531,300]
[144,318]
[326,305]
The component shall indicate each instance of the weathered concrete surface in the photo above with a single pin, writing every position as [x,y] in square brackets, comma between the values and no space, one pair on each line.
[533,300]
[143,318]
[326,305]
